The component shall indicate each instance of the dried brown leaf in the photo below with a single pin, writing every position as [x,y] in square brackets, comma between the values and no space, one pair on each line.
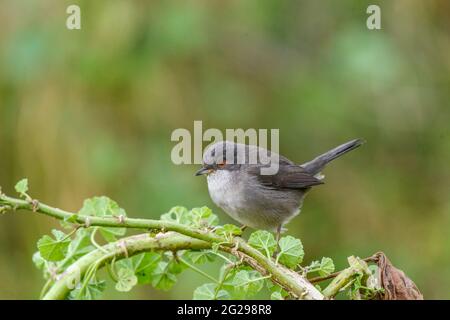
[396,285]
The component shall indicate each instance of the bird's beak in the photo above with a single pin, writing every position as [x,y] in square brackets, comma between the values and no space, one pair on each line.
[202,171]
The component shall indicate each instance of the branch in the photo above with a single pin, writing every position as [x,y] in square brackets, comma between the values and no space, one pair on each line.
[121,249]
[292,282]
[285,277]
[114,222]
[320,279]
[346,276]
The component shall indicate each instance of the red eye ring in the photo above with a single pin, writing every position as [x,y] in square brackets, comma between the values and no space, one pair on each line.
[221,165]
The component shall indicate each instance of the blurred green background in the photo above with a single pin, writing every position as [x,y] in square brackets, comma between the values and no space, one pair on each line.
[90,112]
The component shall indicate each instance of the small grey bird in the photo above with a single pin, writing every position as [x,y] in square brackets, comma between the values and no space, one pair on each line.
[260,201]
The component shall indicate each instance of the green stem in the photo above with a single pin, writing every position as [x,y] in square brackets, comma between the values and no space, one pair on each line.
[292,282]
[254,280]
[45,288]
[135,244]
[198,270]
[346,276]
[94,232]
[111,268]
[222,279]
[221,256]
[110,221]
[286,278]
[69,234]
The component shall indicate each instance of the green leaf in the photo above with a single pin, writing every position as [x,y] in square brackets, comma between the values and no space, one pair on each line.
[177,214]
[22,187]
[356,285]
[42,265]
[93,291]
[247,283]
[263,241]
[200,257]
[104,207]
[162,278]
[67,222]
[215,247]
[208,292]
[111,234]
[323,267]
[38,261]
[326,267]
[80,245]
[126,280]
[314,266]
[101,207]
[204,217]
[143,265]
[53,249]
[198,217]
[276,295]
[175,267]
[277,292]
[228,230]
[291,251]
[72,218]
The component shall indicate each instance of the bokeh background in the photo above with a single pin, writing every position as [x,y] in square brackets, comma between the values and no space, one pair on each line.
[91,112]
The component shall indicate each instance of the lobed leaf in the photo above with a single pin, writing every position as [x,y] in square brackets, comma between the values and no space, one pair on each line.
[53,249]
[177,214]
[21,187]
[200,257]
[93,291]
[291,251]
[197,217]
[264,241]
[204,217]
[326,267]
[247,283]
[162,278]
[276,295]
[126,280]
[104,207]
[209,291]
[228,230]
[143,265]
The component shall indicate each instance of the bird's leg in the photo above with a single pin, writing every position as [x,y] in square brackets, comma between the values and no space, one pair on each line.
[278,234]
[243,227]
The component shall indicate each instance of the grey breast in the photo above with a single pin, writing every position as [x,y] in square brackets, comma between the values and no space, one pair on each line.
[256,200]
[241,194]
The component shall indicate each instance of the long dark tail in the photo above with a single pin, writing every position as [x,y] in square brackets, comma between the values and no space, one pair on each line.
[317,164]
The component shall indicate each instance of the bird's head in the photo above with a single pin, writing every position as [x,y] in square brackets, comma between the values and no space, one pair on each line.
[223,155]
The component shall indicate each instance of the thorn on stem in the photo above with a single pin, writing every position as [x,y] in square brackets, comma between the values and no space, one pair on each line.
[121,218]
[123,246]
[34,205]
[87,222]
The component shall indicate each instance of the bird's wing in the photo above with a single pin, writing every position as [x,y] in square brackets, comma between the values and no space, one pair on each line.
[288,177]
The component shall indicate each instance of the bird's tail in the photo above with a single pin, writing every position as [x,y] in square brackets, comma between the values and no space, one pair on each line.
[317,164]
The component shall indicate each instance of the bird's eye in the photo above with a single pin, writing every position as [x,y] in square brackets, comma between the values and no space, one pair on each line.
[221,164]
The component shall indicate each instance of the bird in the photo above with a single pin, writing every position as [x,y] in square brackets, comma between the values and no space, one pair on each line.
[260,201]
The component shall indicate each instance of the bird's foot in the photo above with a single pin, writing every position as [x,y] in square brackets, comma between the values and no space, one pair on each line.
[277,248]
[276,252]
